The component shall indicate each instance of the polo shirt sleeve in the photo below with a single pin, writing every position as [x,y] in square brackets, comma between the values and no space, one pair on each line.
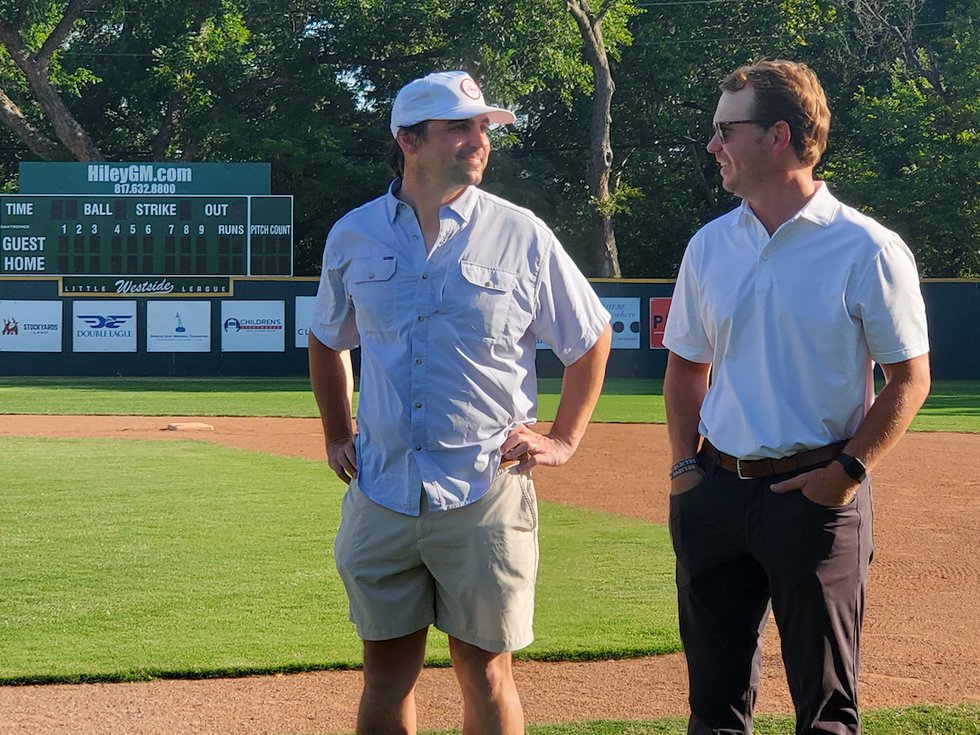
[685,334]
[333,311]
[569,317]
[890,306]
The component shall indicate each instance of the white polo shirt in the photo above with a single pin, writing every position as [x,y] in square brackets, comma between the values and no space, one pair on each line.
[447,339]
[793,323]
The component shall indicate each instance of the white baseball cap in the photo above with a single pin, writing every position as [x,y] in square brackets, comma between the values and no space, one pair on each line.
[443,95]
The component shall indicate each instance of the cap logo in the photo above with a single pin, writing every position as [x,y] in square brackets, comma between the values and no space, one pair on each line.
[469,88]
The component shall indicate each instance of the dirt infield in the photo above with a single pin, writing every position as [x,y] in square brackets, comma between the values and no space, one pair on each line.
[922,633]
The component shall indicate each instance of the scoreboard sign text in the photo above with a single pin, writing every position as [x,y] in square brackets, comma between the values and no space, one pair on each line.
[107,235]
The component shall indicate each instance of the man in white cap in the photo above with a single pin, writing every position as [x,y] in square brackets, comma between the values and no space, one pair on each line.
[445,288]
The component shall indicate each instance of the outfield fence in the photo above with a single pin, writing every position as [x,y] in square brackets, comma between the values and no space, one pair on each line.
[258,327]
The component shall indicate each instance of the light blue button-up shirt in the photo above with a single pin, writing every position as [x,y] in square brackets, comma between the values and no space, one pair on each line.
[447,338]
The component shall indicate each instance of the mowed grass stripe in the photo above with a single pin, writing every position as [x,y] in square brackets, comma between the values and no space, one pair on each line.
[135,559]
[951,406]
[963,719]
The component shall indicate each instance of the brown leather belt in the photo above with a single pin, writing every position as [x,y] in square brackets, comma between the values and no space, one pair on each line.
[751,469]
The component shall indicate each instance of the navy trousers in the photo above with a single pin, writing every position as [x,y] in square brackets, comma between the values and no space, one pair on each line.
[742,551]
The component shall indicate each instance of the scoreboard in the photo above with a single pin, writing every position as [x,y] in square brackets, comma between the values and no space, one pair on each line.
[110,235]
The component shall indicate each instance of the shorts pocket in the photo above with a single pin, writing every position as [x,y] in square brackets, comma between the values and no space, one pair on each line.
[529,503]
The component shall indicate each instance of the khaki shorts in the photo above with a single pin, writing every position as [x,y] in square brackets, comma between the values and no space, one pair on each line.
[469,571]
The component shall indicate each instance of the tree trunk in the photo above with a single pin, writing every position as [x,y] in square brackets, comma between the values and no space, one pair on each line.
[35,69]
[600,143]
[37,142]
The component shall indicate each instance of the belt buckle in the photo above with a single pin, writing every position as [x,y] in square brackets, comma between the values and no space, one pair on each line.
[738,469]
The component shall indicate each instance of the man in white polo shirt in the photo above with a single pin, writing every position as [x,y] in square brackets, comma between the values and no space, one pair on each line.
[787,302]
[445,289]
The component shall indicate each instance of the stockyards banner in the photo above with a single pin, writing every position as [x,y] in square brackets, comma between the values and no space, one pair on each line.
[30,326]
[178,326]
[104,326]
[253,326]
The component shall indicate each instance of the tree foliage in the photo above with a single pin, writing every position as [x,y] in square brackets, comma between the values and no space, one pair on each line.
[307,85]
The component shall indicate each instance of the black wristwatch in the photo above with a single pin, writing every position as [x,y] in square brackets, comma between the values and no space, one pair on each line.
[853,466]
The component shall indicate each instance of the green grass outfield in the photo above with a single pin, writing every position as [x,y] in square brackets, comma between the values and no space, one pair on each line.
[121,564]
[925,720]
[951,406]
[134,559]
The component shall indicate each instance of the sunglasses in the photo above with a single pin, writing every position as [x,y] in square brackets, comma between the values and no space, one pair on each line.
[722,128]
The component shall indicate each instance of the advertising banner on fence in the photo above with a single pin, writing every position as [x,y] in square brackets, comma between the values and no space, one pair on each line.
[304,316]
[659,306]
[625,322]
[253,326]
[30,326]
[104,326]
[178,326]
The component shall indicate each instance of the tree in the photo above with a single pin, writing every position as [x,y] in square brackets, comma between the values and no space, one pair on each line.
[307,85]
[911,155]
[600,166]
[198,80]
[36,65]
[520,51]
[667,87]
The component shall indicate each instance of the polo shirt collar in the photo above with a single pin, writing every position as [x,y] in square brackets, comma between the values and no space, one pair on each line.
[820,210]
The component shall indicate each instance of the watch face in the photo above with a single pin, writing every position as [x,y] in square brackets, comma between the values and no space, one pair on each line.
[853,467]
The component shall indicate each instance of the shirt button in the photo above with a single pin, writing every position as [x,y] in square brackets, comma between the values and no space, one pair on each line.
[421,318]
[418,405]
[418,447]
[418,362]
[765,257]
[488,284]
[370,275]
[425,276]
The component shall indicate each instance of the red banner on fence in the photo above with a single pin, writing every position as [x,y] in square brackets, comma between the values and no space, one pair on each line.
[659,306]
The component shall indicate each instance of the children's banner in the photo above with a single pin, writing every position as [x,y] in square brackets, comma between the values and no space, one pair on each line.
[253,326]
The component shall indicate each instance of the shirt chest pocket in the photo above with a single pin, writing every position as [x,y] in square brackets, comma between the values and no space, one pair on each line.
[371,285]
[478,299]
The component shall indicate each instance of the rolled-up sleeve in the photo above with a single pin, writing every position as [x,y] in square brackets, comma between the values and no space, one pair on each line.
[569,317]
